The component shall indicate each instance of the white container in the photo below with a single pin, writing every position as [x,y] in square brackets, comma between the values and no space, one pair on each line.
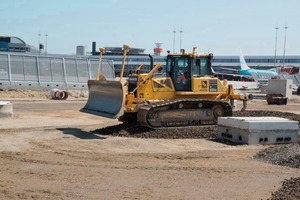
[6,109]
[258,130]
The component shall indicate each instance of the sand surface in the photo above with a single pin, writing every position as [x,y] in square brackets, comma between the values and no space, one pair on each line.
[48,150]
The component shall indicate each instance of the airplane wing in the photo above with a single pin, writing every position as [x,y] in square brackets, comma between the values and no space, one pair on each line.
[225,69]
[231,76]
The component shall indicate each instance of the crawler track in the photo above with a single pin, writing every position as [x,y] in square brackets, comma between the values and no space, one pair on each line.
[183,112]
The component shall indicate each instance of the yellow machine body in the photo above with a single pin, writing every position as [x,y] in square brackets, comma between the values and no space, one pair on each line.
[185,93]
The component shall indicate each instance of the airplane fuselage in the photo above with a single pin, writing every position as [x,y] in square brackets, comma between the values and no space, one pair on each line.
[262,73]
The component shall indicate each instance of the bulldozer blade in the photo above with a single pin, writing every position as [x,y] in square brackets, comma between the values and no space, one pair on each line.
[106,99]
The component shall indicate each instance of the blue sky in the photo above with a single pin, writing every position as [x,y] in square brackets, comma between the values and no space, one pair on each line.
[221,27]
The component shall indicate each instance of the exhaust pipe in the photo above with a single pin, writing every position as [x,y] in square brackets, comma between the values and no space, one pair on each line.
[93,48]
[151,62]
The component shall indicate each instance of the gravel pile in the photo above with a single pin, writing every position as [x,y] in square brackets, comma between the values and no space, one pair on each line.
[290,189]
[134,130]
[208,132]
[263,113]
[285,155]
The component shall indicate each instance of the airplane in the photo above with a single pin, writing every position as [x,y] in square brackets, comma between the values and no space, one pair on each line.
[238,81]
[246,71]
[260,74]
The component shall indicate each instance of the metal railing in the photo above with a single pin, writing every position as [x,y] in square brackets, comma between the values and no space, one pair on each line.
[25,71]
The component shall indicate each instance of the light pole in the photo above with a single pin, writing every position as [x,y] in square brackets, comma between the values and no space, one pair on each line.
[46,35]
[174,41]
[39,46]
[276,28]
[284,43]
[180,37]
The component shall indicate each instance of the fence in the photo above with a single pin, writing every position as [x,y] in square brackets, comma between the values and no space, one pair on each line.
[38,72]
[294,77]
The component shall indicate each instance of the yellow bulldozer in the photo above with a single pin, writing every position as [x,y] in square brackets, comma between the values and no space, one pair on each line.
[185,93]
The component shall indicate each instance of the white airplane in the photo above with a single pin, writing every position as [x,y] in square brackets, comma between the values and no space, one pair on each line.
[246,71]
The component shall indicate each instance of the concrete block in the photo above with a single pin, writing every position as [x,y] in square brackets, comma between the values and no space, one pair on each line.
[258,130]
[6,109]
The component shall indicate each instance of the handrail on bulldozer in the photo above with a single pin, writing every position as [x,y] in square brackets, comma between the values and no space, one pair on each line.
[100,63]
[125,50]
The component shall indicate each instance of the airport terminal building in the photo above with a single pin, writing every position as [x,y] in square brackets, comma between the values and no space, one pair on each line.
[24,65]
[137,56]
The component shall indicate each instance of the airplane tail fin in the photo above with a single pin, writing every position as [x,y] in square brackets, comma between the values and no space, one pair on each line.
[243,63]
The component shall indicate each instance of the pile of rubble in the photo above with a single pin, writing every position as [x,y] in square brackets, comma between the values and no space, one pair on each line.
[195,132]
[135,130]
[285,155]
[290,189]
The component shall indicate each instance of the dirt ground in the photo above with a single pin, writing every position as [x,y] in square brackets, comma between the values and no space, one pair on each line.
[49,150]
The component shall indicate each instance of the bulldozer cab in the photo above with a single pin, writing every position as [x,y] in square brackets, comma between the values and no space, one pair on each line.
[183,67]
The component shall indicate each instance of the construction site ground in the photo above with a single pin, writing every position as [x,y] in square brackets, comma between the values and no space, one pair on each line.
[50,150]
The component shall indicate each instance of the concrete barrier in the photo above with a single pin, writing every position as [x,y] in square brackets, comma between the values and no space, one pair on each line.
[6,109]
[258,130]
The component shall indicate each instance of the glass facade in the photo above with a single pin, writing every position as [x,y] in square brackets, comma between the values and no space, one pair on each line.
[24,67]
[265,59]
[43,69]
